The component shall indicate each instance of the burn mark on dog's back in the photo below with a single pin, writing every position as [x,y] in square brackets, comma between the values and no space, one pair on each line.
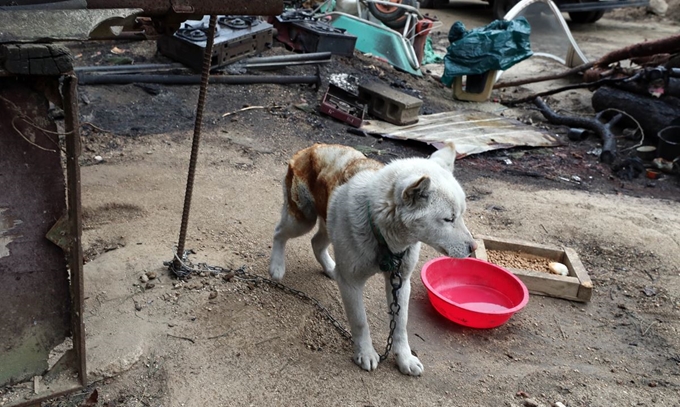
[359,165]
[296,181]
[292,195]
[321,184]
[317,171]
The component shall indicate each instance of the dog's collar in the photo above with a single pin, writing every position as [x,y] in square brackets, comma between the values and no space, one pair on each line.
[387,260]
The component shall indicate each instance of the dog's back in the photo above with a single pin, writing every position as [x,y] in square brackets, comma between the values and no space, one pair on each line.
[313,174]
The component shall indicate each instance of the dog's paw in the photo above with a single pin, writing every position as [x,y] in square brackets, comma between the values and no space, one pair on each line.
[410,365]
[328,265]
[277,270]
[367,360]
[330,273]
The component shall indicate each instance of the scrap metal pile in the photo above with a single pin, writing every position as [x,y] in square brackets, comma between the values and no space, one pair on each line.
[638,106]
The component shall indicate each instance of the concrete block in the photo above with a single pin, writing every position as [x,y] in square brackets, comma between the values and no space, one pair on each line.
[390,104]
[477,87]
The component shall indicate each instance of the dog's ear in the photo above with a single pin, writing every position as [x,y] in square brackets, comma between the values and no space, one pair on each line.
[416,191]
[445,156]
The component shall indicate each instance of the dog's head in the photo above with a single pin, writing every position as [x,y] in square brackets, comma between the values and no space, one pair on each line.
[433,204]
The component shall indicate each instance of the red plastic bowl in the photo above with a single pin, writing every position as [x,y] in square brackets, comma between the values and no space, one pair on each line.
[473,292]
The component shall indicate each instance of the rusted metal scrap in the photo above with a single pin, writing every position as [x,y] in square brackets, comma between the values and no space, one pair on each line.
[654,81]
[202,7]
[154,17]
[652,60]
[593,84]
[668,45]
[43,303]
[123,79]
[593,70]
[643,52]
[608,154]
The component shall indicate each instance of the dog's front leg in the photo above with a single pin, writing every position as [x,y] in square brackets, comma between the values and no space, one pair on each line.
[408,364]
[352,293]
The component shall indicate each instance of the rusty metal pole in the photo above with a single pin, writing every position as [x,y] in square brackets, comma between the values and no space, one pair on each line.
[197,7]
[205,76]
[72,128]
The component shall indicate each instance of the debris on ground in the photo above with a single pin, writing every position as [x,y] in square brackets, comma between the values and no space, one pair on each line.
[473,132]
[642,101]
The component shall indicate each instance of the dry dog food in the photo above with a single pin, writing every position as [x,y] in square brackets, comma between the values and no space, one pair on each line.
[518,260]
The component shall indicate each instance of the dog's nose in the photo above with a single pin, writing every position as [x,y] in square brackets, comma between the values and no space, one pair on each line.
[473,246]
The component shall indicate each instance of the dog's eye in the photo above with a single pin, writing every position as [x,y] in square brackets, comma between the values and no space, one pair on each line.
[449,220]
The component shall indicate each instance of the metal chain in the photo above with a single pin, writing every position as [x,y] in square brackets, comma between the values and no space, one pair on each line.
[396,281]
[242,274]
[389,262]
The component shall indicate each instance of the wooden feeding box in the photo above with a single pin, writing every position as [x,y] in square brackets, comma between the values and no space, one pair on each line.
[576,286]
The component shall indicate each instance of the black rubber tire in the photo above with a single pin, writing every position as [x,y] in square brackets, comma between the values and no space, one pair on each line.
[585,17]
[433,4]
[393,16]
[397,24]
[500,7]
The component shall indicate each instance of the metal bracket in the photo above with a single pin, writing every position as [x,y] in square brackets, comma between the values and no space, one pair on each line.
[67,363]
[60,234]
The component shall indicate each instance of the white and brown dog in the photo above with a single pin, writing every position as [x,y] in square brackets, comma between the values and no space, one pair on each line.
[371,213]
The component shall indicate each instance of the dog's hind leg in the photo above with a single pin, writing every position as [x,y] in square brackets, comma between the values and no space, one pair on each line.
[320,243]
[288,228]
[408,364]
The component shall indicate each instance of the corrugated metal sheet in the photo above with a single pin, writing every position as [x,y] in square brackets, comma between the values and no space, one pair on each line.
[472,132]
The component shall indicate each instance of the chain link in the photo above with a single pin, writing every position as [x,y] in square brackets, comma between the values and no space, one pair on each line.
[396,281]
[242,274]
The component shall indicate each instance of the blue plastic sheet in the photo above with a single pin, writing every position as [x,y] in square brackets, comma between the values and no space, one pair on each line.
[429,56]
[497,46]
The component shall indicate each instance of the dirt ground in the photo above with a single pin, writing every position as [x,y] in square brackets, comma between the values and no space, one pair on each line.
[211,341]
